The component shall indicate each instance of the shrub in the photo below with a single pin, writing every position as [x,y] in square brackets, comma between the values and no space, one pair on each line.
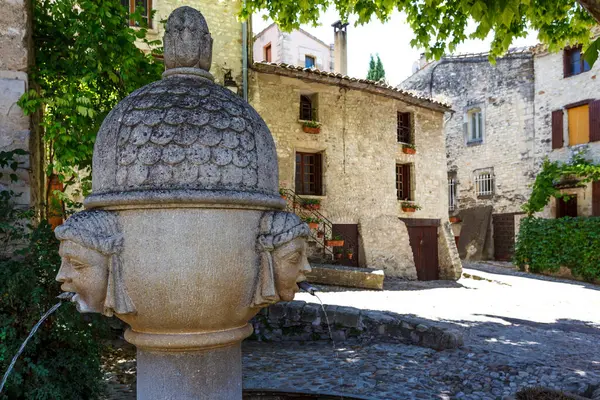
[62,360]
[548,244]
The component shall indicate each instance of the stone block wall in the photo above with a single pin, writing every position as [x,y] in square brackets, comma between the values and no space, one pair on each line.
[301,321]
[358,141]
[15,127]
[505,93]
[225,29]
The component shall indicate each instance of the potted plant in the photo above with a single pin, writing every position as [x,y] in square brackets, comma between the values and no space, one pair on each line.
[282,193]
[338,253]
[454,220]
[320,234]
[408,148]
[336,241]
[350,253]
[313,223]
[408,206]
[311,127]
[311,204]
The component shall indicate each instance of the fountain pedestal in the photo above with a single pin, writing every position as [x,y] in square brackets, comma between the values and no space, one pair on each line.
[183,237]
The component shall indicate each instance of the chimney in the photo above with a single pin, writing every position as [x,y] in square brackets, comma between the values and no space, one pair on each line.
[340,47]
[422,60]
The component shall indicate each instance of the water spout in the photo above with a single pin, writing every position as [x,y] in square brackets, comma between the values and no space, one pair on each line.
[67,296]
[307,288]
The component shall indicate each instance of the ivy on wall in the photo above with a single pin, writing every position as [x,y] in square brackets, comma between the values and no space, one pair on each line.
[552,173]
[545,245]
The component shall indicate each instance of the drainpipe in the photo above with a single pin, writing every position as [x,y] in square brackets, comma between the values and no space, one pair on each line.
[245,57]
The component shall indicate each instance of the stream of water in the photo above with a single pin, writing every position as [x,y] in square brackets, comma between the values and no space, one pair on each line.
[62,297]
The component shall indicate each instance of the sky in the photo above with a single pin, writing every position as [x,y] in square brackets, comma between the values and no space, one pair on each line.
[390,40]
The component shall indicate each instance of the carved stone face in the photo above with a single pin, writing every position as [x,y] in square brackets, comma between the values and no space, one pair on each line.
[85,272]
[290,265]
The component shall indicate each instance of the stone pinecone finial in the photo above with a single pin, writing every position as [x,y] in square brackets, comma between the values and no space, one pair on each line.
[187,40]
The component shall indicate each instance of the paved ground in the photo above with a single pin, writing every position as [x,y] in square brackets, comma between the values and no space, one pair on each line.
[520,330]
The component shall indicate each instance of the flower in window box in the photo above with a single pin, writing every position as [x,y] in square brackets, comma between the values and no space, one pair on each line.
[336,241]
[311,127]
[408,148]
[408,206]
[313,223]
[311,204]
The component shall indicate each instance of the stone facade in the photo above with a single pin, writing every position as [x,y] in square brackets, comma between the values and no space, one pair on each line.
[15,127]
[360,153]
[224,26]
[505,94]
[554,91]
[291,48]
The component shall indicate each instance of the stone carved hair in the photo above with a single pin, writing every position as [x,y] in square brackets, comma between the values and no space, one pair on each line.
[276,229]
[100,231]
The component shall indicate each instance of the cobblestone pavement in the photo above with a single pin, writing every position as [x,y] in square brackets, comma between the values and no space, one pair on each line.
[520,330]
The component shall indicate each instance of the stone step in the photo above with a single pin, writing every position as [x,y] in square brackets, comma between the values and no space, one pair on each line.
[338,275]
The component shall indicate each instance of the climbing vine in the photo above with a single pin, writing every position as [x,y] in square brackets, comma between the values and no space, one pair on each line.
[552,173]
[86,61]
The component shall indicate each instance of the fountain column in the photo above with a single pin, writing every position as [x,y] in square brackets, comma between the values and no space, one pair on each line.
[183,237]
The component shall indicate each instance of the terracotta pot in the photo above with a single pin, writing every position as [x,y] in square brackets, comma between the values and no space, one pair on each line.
[409,209]
[338,256]
[408,150]
[308,129]
[313,225]
[334,243]
[350,255]
[454,220]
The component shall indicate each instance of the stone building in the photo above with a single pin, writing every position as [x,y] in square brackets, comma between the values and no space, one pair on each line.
[295,48]
[507,118]
[16,129]
[355,166]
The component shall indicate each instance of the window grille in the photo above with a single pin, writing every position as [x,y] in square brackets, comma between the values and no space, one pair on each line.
[307,112]
[403,182]
[452,193]
[404,128]
[484,182]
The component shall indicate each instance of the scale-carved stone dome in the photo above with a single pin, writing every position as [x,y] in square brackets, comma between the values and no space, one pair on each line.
[184,138]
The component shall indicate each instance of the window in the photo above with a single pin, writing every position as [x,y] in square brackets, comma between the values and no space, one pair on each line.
[267,53]
[452,191]
[484,182]
[566,208]
[309,61]
[474,125]
[403,182]
[573,62]
[579,125]
[404,128]
[309,174]
[308,107]
[132,5]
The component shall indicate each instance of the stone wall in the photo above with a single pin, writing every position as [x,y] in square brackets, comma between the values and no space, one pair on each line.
[301,321]
[505,93]
[225,29]
[358,141]
[15,127]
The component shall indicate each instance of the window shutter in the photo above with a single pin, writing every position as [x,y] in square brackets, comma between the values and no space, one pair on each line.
[319,174]
[407,182]
[557,129]
[596,199]
[565,63]
[594,109]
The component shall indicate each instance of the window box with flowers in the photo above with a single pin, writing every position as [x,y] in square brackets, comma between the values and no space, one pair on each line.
[311,204]
[408,148]
[408,206]
[312,127]
[336,241]
[313,223]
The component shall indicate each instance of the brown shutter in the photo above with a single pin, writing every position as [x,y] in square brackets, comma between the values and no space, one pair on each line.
[408,183]
[566,66]
[557,129]
[594,121]
[596,199]
[319,174]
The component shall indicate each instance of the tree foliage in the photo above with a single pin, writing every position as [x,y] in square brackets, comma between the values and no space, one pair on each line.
[376,71]
[86,60]
[551,174]
[441,25]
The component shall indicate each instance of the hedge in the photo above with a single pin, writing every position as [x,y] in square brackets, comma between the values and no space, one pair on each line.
[545,245]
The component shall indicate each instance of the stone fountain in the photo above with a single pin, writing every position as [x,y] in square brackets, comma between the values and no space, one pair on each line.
[183,237]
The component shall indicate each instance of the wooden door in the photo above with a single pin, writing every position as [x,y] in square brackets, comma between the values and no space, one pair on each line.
[504,236]
[350,249]
[424,244]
